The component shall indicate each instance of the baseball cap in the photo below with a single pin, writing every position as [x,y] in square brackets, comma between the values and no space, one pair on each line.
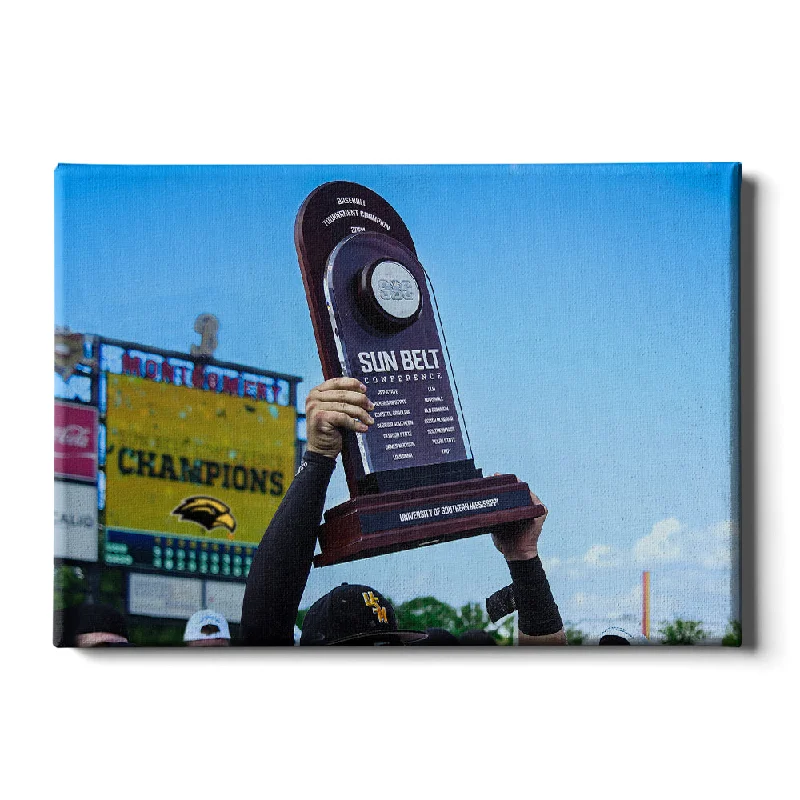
[354,614]
[100,618]
[91,625]
[206,624]
[615,636]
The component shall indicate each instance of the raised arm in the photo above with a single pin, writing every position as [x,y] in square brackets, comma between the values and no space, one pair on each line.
[283,560]
[539,620]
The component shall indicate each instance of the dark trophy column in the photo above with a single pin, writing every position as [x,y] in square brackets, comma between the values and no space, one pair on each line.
[412,478]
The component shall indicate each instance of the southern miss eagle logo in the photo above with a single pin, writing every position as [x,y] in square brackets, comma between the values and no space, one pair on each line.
[208,512]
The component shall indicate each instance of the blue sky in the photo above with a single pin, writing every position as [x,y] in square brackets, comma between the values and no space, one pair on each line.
[588,313]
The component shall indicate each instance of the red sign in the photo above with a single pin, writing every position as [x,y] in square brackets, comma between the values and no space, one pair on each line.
[75,442]
[200,377]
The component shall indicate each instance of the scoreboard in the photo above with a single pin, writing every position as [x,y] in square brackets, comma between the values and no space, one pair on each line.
[194,457]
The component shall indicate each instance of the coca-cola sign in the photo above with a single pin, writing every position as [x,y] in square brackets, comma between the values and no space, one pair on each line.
[75,441]
[72,436]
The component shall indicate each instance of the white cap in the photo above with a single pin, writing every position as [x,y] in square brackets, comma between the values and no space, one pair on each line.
[199,620]
[631,638]
[620,633]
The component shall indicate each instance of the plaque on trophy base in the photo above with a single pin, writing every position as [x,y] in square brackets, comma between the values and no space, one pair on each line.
[411,476]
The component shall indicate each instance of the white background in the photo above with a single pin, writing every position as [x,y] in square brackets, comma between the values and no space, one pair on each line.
[402,82]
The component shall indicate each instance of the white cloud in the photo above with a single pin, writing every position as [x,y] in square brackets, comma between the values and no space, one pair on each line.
[692,576]
[551,563]
[598,555]
[715,547]
[721,546]
[661,544]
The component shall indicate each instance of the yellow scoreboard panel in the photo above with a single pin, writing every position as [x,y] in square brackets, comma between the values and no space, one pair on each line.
[184,462]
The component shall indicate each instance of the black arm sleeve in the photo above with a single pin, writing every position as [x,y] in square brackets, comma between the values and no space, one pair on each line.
[280,568]
[538,612]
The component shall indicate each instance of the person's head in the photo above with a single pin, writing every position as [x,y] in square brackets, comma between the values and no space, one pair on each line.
[207,628]
[98,625]
[438,637]
[354,615]
[615,636]
[476,637]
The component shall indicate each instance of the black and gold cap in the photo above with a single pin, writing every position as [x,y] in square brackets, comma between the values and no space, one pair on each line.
[352,614]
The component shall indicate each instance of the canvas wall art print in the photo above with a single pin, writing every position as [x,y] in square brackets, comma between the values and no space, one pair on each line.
[486,405]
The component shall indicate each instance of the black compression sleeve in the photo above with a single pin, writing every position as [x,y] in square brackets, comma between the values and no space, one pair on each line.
[538,612]
[282,562]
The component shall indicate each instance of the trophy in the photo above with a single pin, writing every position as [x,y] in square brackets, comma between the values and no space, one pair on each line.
[411,476]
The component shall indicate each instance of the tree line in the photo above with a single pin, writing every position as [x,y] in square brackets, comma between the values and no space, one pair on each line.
[419,614]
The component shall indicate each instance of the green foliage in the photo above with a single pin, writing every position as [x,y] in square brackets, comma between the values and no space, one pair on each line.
[112,588]
[427,612]
[733,634]
[155,633]
[505,632]
[69,587]
[682,632]
[301,615]
[473,617]
[574,636]
[422,613]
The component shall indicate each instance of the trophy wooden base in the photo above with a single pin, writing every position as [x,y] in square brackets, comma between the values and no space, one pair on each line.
[376,524]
